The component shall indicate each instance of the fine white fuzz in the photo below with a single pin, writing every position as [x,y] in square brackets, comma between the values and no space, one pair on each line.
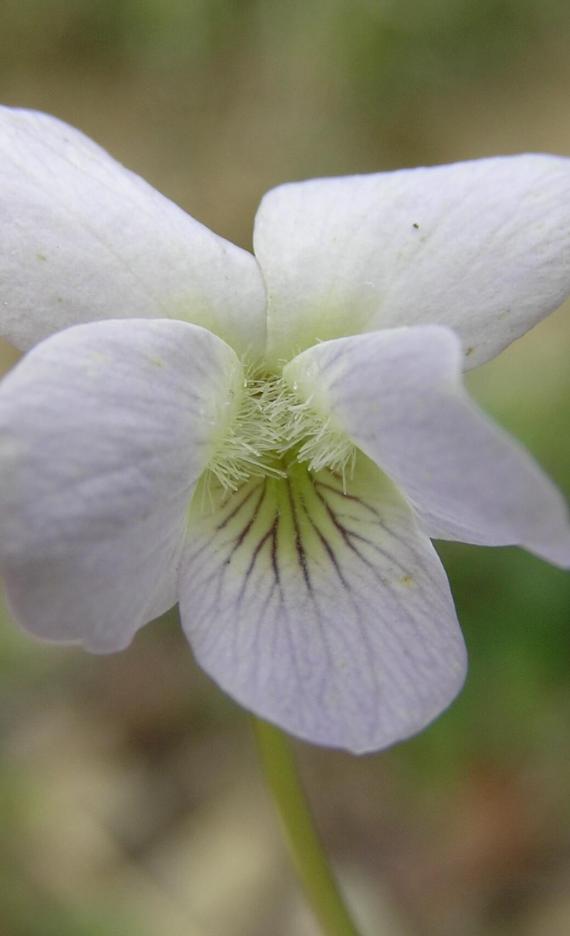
[269,428]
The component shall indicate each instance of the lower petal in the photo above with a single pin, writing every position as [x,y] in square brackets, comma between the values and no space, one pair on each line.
[326,612]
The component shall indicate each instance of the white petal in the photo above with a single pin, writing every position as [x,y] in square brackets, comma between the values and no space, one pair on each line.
[483,247]
[104,430]
[398,394]
[82,239]
[326,613]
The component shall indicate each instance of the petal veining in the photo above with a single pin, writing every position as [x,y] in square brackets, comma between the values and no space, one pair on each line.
[398,394]
[82,239]
[326,612]
[482,247]
[104,430]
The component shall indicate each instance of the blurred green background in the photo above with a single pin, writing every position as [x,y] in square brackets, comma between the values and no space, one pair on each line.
[130,800]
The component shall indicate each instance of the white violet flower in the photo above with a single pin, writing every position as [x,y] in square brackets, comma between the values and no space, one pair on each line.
[269,440]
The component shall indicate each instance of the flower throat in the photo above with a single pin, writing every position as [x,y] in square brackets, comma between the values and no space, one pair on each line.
[269,428]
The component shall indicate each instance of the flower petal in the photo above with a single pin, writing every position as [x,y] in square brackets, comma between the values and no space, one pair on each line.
[327,613]
[82,238]
[398,395]
[104,430]
[482,246]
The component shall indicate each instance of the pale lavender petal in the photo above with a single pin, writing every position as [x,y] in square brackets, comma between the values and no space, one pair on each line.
[325,612]
[82,239]
[104,430]
[482,247]
[398,394]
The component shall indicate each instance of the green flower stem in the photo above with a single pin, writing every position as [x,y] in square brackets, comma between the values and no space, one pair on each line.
[307,851]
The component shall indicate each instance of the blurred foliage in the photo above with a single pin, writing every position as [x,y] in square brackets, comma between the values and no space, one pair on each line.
[371,40]
[129,801]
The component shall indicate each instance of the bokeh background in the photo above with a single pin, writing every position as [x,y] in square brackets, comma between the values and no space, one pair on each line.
[130,797]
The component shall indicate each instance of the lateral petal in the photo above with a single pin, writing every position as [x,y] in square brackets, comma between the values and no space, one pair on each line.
[104,430]
[398,394]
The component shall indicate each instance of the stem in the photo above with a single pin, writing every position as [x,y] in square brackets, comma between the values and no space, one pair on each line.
[306,849]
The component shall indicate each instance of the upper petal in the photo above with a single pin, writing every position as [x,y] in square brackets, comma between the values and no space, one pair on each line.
[482,246]
[399,396]
[104,430]
[326,612]
[82,238]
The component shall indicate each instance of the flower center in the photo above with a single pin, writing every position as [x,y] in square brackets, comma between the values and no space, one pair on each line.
[270,427]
